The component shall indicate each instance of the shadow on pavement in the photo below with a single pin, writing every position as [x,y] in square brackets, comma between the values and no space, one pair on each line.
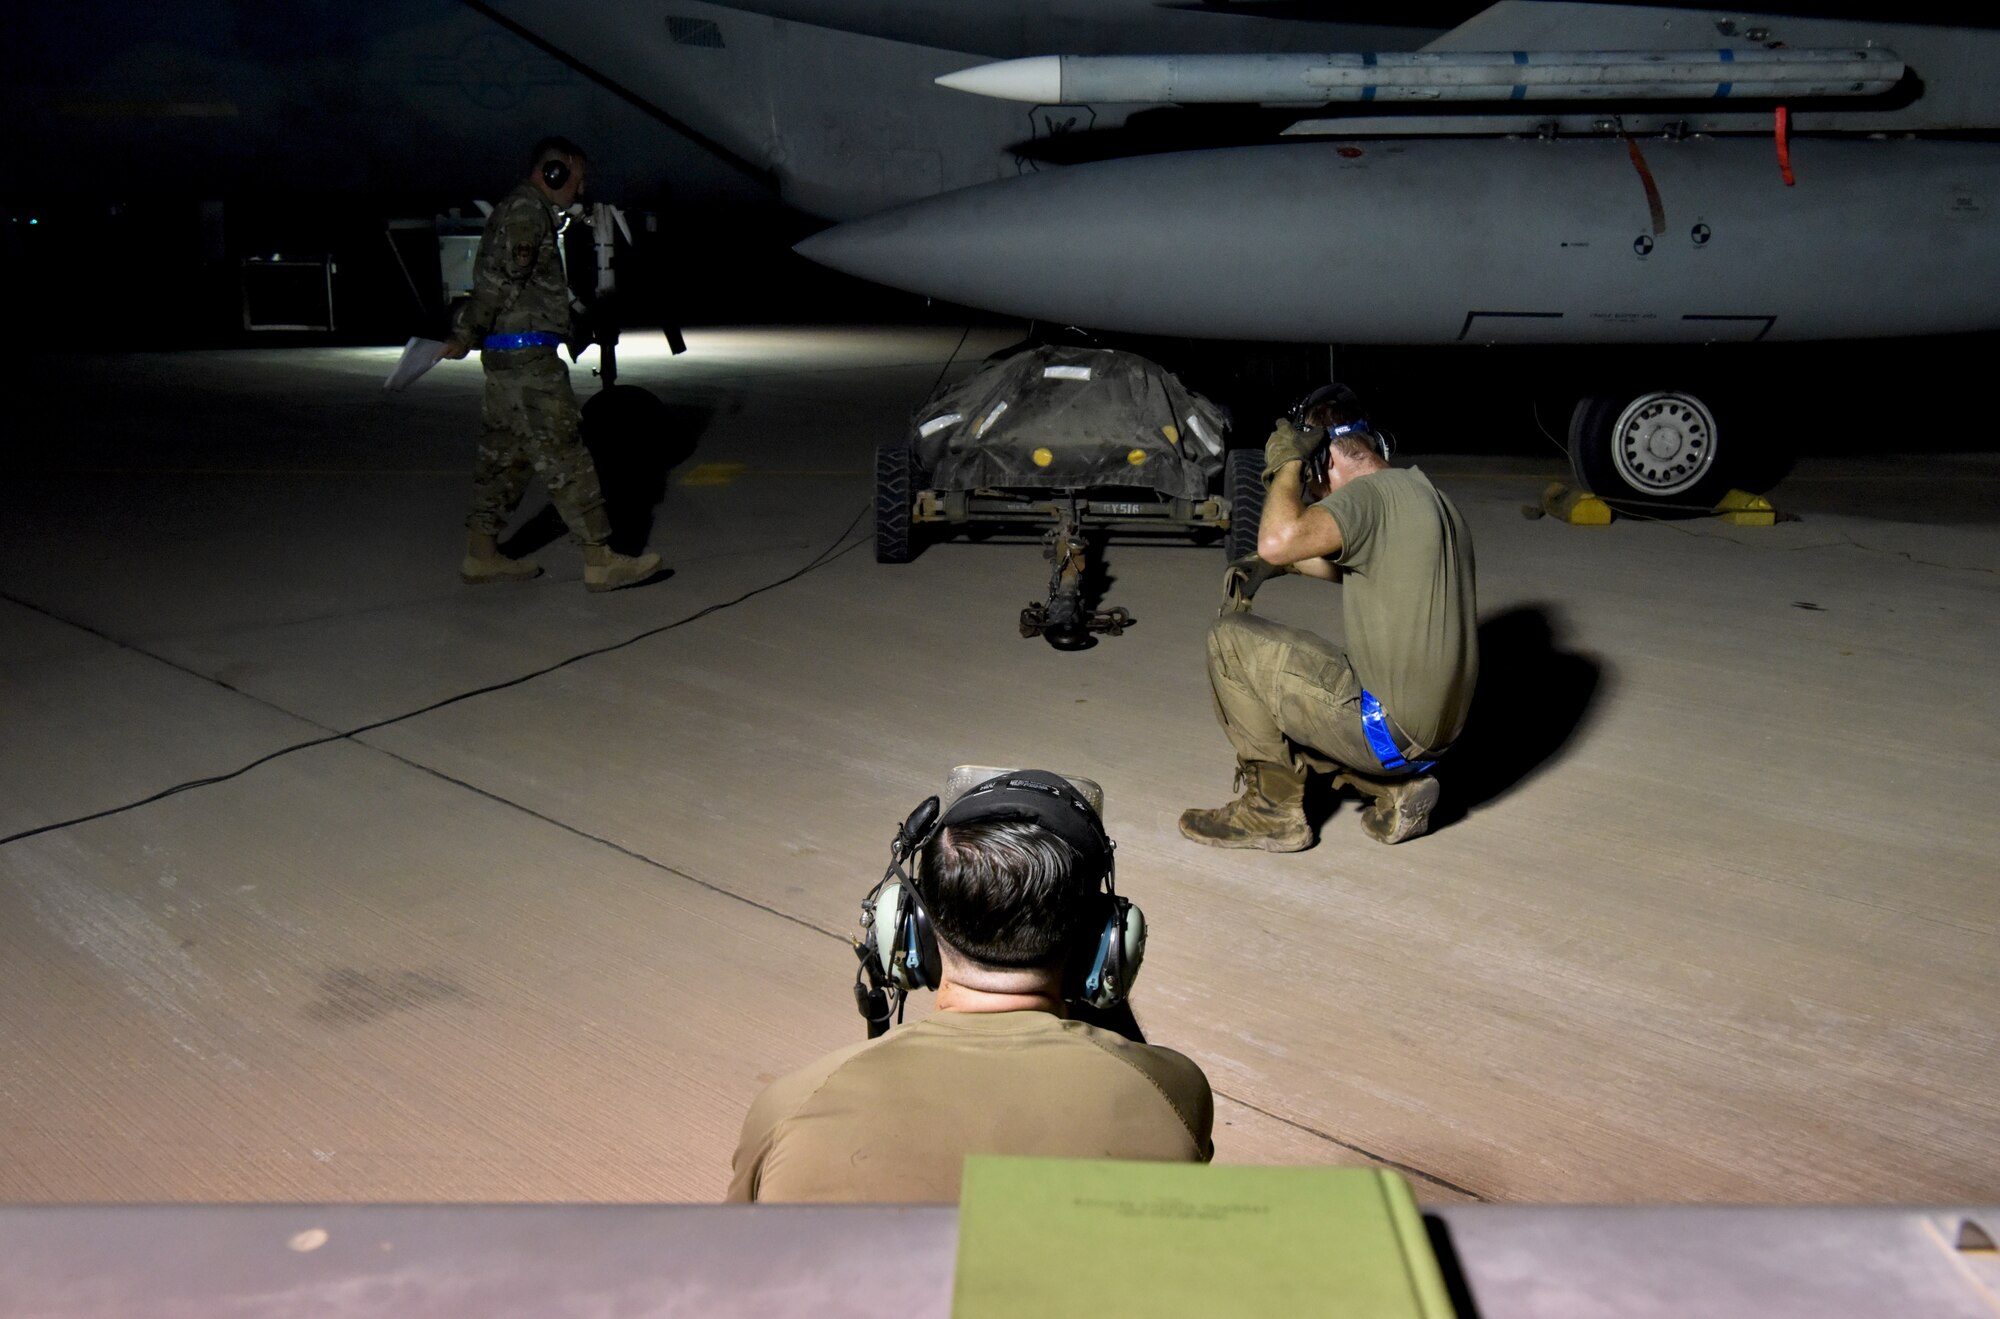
[635,440]
[1533,697]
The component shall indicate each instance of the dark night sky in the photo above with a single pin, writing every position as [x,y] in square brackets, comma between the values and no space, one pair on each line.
[215,97]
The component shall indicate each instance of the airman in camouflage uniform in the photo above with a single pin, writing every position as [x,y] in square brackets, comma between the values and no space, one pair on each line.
[518,314]
[1379,711]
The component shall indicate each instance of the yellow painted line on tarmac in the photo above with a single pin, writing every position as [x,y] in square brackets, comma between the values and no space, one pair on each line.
[714,474]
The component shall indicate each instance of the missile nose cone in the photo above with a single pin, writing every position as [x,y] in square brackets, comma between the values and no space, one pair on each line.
[1036,80]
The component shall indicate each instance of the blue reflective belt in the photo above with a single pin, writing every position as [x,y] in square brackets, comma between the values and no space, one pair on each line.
[1376,725]
[525,339]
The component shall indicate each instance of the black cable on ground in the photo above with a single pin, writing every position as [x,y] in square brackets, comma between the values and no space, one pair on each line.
[820,560]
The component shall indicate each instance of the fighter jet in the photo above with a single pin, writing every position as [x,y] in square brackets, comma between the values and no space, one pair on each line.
[1530,173]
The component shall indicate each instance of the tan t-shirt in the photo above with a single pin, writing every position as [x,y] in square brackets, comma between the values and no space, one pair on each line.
[1408,602]
[893,1118]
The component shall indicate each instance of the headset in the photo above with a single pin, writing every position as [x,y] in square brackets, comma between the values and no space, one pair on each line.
[555,173]
[898,947]
[1343,400]
[1347,402]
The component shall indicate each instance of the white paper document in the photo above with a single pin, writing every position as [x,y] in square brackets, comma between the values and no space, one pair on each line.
[419,356]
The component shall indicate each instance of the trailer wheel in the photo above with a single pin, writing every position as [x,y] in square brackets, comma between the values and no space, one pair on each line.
[1243,491]
[895,467]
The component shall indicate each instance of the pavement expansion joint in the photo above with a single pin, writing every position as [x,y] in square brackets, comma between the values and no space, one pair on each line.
[599,839]
[1330,1138]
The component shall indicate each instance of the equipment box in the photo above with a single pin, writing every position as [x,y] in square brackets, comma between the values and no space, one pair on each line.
[288,293]
[456,253]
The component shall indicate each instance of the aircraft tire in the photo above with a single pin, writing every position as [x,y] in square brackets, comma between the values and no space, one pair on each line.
[1243,491]
[895,469]
[1661,447]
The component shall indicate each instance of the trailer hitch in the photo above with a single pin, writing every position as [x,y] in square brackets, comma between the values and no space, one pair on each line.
[1063,620]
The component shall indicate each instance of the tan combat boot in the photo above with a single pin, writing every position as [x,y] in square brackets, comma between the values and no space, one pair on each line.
[1270,814]
[604,570]
[485,563]
[1401,808]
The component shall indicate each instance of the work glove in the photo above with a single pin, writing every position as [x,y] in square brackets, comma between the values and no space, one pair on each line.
[1288,445]
[1243,577]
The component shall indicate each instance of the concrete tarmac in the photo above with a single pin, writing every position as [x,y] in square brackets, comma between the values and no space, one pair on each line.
[553,883]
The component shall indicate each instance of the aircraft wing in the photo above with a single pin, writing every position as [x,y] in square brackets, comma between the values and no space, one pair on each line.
[836,99]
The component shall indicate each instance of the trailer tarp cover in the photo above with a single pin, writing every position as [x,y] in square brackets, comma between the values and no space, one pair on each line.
[1070,419]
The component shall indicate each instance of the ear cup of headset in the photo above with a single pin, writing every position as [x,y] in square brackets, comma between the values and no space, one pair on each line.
[555,173]
[902,926]
[1108,958]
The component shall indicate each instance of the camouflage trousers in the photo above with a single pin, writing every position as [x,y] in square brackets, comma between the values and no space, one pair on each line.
[1288,697]
[531,428]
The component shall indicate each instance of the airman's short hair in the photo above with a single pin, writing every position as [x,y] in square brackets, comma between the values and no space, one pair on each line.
[1005,893]
[550,147]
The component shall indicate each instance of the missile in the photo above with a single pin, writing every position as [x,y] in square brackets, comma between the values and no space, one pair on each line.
[1415,241]
[1537,75]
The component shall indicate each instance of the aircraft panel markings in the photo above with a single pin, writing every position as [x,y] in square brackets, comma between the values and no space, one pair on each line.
[1763,329]
[1470,316]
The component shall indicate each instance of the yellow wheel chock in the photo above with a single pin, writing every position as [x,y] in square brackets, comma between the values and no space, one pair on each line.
[1740,508]
[1580,508]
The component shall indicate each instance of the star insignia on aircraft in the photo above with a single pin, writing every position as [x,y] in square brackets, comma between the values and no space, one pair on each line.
[496,73]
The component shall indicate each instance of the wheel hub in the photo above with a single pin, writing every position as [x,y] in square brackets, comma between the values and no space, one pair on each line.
[1664,443]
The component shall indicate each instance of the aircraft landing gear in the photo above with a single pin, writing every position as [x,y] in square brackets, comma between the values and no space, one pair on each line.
[1659,448]
[1064,621]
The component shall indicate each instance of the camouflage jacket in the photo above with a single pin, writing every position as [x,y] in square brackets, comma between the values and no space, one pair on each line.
[517,280]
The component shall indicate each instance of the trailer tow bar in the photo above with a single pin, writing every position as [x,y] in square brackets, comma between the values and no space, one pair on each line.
[1063,620]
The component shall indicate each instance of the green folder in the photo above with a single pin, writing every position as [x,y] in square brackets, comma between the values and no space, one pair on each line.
[1097,1239]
